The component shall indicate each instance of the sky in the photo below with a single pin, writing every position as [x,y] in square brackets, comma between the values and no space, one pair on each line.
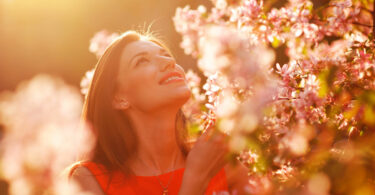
[52,36]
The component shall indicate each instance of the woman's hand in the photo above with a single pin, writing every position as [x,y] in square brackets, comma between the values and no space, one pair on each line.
[204,161]
[208,154]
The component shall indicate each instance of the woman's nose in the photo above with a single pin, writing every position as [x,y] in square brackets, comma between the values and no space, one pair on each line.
[168,63]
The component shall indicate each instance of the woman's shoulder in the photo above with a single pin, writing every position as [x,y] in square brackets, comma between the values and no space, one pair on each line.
[85,178]
[77,166]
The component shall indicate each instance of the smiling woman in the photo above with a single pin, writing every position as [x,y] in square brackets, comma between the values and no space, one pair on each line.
[134,107]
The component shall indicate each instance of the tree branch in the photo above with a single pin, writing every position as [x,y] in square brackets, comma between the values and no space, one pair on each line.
[367,10]
[366,25]
[355,23]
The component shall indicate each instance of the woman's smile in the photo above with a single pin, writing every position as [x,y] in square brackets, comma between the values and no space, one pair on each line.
[172,80]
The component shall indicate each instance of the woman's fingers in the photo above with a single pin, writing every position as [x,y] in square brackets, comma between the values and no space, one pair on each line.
[214,136]
[217,140]
[207,133]
[219,136]
[211,146]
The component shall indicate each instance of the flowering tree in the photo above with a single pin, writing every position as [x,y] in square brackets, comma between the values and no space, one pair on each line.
[42,136]
[304,127]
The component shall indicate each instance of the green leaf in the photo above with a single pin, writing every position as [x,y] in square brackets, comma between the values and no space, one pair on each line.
[326,78]
[263,16]
[310,7]
[369,115]
[275,42]
[368,97]
[193,129]
[304,50]
[323,84]
[352,112]
[286,29]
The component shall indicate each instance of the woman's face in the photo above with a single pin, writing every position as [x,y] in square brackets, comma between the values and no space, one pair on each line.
[149,78]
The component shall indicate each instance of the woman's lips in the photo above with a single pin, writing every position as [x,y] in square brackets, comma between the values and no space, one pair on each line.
[171,77]
[172,80]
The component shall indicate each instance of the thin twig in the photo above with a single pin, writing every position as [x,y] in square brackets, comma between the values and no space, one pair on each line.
[285,98]
[355,23]
[268,4]
[365,9]
[366,25]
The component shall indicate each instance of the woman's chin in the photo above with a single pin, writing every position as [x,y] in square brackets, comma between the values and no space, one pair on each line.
[186,94]
[181,97]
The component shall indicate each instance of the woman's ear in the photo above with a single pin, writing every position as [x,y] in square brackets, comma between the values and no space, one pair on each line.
[120,103]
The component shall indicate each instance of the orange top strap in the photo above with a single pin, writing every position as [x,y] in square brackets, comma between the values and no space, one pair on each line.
[135,185]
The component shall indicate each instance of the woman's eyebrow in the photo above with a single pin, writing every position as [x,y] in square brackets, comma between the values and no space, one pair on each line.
[138,54]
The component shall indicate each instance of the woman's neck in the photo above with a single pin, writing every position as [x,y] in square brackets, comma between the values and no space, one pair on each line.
[158,151]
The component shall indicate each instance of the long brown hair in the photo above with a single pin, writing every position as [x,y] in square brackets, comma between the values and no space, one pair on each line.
[116,140]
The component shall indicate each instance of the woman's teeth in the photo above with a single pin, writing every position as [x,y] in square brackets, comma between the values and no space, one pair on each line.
[171,78]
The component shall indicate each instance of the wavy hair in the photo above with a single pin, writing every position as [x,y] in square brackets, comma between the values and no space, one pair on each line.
[116,139]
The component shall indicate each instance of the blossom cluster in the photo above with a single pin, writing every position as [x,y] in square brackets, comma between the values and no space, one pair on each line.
[300,119]
[42,136]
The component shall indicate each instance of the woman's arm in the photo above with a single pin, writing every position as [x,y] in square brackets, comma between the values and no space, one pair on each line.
[237,177]
[204,161]
[86,180]
[193,184]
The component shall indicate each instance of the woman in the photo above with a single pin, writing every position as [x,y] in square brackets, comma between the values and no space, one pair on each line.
[134,106]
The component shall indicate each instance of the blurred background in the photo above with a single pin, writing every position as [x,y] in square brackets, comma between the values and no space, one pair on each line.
[52,36]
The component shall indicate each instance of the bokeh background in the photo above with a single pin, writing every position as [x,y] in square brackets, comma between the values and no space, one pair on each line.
[52,36]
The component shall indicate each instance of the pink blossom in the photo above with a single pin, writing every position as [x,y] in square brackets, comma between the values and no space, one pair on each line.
[248,157]
[188,22]
[295,116]
[259,184]
[192,109]
[249,10]
[100,42]
[285,173]
[86,81]
[33,158]
[342,3]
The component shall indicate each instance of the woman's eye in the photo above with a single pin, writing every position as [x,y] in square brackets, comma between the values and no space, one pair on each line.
[141,60]
[167,54]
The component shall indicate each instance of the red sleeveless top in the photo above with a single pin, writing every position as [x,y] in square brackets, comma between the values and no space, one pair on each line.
[149,185]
